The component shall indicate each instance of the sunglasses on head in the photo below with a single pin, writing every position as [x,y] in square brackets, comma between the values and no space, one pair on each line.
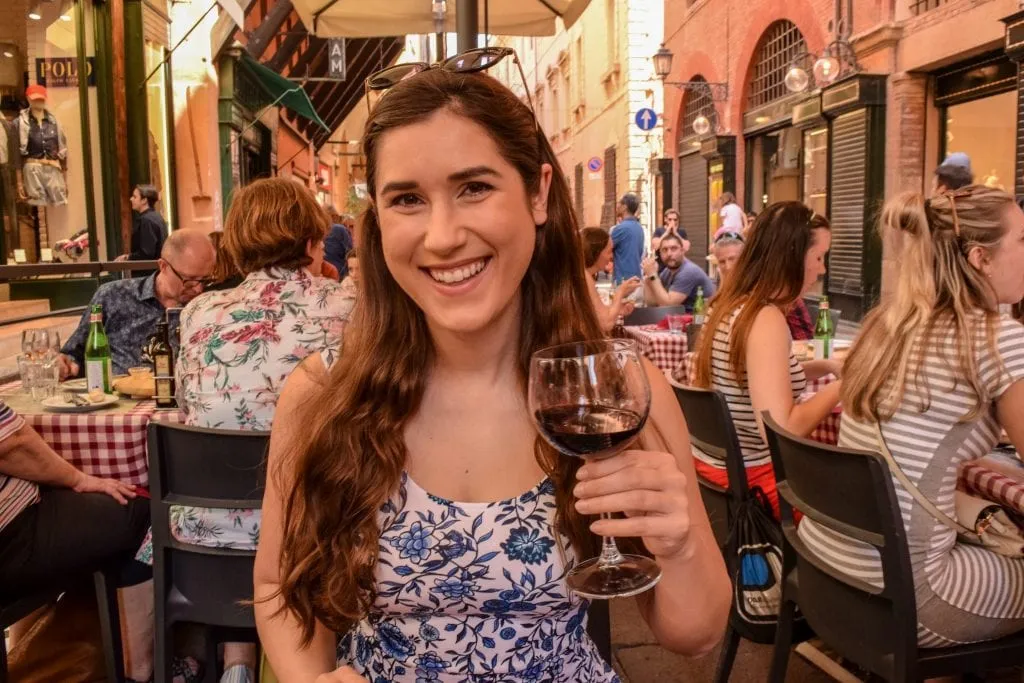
[729,236]
[468,62]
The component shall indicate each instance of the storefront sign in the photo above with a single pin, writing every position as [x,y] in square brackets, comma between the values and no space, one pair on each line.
[62,72]
[336,66]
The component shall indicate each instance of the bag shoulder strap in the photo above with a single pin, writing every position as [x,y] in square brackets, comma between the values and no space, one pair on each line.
[915,492]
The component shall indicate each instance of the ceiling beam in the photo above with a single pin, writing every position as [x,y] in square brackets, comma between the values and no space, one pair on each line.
[283,54]
[260,38]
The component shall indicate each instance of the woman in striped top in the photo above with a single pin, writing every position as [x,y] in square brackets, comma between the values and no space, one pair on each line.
[934,374]
[783,259]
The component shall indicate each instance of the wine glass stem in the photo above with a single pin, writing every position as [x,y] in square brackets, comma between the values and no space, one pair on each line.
[610,555]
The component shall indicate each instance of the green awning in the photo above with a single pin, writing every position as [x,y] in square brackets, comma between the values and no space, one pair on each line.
[282,91]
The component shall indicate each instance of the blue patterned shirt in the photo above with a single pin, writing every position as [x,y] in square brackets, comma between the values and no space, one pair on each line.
[131,311]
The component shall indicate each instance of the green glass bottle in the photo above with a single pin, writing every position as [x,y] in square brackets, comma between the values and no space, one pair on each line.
[824,332]
[98,364]
[699,307]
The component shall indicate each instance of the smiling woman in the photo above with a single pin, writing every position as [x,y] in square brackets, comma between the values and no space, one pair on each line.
[411,506]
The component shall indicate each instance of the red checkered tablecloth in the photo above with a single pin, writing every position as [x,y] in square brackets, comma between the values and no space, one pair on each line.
[106,443]
[826,432]
[661,347]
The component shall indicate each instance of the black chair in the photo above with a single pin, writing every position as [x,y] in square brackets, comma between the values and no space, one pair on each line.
[106,583]
[851,492]
[712,430]
[211,587]
[652,315]
[599,628]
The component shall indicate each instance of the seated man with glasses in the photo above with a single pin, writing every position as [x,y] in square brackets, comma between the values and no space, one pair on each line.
[132,308]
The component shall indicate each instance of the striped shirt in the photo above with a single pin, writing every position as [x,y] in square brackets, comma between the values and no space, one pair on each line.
[964,593]
[15,494]
[737,396]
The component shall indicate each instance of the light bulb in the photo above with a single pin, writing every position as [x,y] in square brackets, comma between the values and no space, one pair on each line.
[35,16]
[701,125]
[826,70]
[797,79]
[65,17]
[8,54]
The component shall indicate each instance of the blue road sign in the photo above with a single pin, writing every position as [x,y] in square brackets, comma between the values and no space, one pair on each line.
[595,164]
[646,119]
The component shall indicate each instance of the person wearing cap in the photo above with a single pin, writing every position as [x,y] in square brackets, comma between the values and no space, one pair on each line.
[953,173]
[627,240]
[42,178]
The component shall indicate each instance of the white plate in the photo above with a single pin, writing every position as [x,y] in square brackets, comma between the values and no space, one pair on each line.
[57,404]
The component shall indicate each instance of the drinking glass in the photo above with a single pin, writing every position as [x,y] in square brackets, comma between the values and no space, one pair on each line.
[28,338]
[676,324]
[590,400]
[44,376]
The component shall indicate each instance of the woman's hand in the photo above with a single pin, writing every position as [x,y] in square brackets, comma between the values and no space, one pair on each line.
[344,674]
[649,488]
[117,490]
[627,288]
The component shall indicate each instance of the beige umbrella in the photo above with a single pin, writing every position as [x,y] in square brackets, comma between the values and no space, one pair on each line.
[373,18]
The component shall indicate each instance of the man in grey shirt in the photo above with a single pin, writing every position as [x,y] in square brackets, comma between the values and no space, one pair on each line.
[678,282]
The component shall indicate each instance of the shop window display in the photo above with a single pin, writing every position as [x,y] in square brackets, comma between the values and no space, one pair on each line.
[42,161]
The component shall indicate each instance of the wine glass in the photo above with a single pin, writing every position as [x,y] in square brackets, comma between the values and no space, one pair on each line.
[590,400]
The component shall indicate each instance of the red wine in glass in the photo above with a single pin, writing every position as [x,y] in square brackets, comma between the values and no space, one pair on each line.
[589,431]
[591,400]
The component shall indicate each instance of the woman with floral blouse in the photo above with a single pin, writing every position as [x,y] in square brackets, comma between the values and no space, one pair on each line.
[239,346]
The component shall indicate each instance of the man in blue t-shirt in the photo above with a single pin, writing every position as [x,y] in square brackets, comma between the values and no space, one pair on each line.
[627,241]
[678,282]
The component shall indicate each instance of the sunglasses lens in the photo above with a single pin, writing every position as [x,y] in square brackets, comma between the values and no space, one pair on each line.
[382,80]
[476,60]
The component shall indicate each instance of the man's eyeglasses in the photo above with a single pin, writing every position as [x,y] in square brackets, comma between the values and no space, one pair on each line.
[468,62]
[202,283]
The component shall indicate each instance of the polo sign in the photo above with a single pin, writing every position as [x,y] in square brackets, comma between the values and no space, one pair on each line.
[62,72]
[336,66]
[595,164]
[646,119]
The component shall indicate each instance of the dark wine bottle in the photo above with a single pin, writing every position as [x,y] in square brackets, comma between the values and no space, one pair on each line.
[163,362]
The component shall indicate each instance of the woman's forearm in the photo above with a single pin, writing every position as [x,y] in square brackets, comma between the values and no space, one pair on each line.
[805,417]
[688,609]
[25,455]
[280,637]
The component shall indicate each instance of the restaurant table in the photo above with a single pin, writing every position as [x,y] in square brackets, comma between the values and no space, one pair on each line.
[109,443]
[663,348]
[826,432]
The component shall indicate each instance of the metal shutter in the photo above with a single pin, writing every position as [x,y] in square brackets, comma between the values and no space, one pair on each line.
[693,205]
[849,171]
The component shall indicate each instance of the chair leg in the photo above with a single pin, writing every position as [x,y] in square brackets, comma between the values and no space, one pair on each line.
[783,642]
[110,625]
[211,670]
[728,654]
[3,659]
[162,660]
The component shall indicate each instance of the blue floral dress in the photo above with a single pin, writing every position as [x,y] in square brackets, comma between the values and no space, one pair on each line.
[473,593]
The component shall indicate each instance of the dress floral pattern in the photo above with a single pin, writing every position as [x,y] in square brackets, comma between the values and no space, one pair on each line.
[238,348]
[473,593]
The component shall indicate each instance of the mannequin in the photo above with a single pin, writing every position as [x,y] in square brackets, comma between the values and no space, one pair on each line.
[42,178]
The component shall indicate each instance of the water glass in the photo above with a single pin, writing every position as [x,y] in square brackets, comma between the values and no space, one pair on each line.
[676,324]
[44,376]
[23,373]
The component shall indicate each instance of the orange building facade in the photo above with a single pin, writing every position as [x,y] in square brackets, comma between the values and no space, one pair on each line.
[921,79]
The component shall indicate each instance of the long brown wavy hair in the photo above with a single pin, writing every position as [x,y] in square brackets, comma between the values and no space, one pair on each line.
[770,272]
[937,289]
[350,456]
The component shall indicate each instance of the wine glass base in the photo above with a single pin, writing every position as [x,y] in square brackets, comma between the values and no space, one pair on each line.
[633,575]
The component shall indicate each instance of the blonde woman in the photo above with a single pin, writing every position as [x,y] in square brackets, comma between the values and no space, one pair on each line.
[933,376]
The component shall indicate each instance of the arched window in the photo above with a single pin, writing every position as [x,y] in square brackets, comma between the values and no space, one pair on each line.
[780,45]
[698,101]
